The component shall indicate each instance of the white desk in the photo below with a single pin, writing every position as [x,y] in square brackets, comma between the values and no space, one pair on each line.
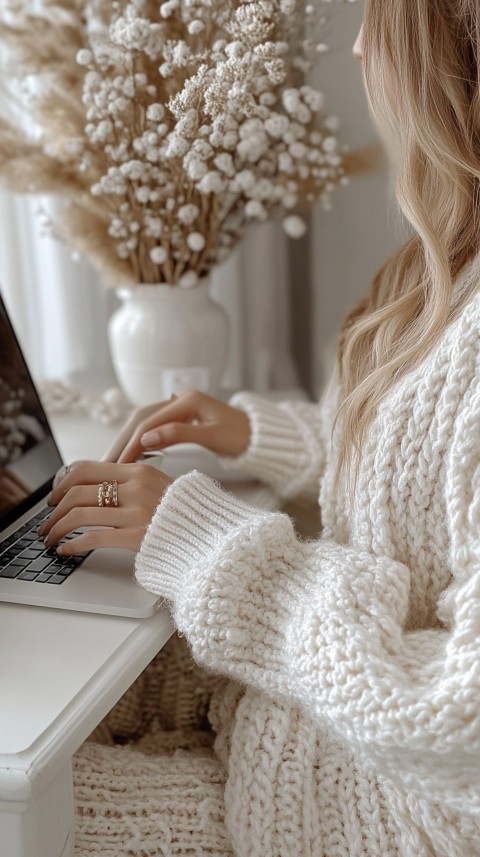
[60,673]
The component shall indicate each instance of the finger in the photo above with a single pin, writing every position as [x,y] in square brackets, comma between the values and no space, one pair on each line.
[79,495]
[60,474]
[64,470]
[89,473]
[183,408]
[172,433]
[76,519]
[129,538]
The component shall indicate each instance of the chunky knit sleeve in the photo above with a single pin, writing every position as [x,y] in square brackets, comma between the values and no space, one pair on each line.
[289,441]
[322,626]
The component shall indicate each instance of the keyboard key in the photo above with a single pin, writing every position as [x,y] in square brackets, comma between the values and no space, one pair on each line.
[20,561]
[27,575]
[56,568]
[7,556]
[39,564]
[10,571]
[23,555]
[29,553]
[73,561]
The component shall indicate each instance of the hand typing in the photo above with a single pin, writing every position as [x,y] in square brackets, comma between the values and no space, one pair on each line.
[191,417]
[139,489]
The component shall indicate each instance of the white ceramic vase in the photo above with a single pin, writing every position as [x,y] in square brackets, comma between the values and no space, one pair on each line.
[164,339]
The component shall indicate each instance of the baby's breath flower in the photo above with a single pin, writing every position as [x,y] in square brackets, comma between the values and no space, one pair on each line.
[122,250]
[153,226]
[187,125]
[298,150]
[196,241]
[92,79]
[133,169]
[187,214]
[244,180]
[155,112]
[224,163]
[158,255]
[276,71]
[290,99]
[289,200]
[256,210]
[195,167]
[288,6]
[252,149]
[117,228]
[294,226]
[195,27]
[329,144]
[181,54]
[84,57]
[262,190]
[277,124]
[176,146]
[118,105]
[312,98]
[212,182]
[168,8]
[188,280]
[230,140]
[234,49]
[332,123]
[197,120]
[202,149]
[142,194]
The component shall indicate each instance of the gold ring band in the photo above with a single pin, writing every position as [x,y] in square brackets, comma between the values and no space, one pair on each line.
[107,493]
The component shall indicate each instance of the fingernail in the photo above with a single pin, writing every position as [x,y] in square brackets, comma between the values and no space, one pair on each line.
[49,500]
[60,549]
[150,438]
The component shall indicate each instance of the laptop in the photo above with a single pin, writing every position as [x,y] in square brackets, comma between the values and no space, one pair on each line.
[101,581]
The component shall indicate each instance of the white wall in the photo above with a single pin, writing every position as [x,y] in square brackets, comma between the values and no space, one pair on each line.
[350,242]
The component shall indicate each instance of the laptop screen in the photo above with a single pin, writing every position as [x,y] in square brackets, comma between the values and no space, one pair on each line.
[29,457]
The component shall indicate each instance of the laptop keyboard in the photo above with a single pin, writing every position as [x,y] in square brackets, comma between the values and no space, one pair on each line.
[23,555]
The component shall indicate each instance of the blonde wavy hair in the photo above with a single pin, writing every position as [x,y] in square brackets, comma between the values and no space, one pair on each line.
[422,75]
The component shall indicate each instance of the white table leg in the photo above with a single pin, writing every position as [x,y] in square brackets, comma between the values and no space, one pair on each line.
[44,826]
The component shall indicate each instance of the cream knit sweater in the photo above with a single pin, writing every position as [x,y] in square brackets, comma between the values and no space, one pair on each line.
[350,724]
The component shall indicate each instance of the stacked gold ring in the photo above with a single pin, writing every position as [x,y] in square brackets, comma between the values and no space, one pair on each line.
[107,493]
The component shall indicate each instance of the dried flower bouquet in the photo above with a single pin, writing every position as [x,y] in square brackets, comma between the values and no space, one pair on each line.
[168,127]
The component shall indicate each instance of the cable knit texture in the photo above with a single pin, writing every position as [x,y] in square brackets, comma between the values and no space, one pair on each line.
[349,725]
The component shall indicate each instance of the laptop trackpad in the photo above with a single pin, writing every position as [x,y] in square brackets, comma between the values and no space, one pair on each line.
[104,583]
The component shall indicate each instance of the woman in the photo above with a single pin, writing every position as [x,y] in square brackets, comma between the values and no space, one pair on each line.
[348,722]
